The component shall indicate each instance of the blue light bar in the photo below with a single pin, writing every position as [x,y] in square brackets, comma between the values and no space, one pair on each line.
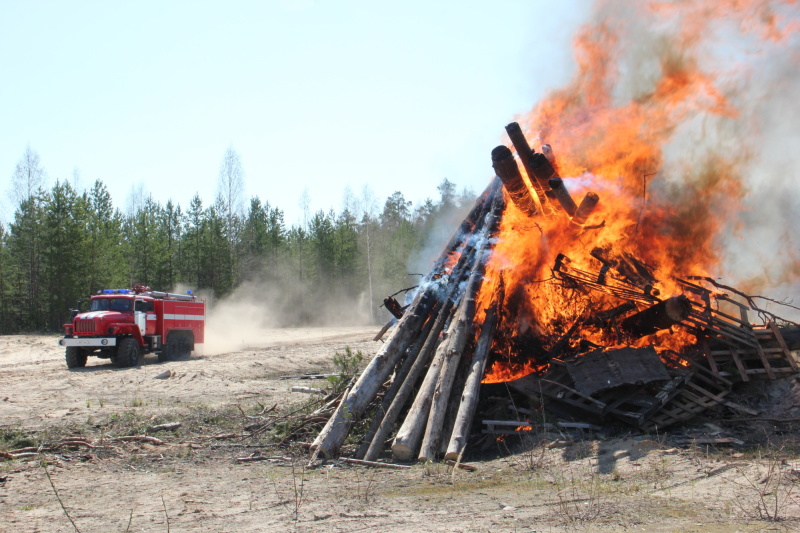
[108,291]
[189,291]
[123,291]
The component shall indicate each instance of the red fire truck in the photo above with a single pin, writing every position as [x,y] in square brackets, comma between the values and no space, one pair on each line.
[124,324]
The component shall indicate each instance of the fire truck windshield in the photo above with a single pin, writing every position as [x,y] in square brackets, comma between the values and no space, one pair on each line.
[113,304]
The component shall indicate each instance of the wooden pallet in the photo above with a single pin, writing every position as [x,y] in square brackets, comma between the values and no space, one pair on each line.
[637,405]
[703,390]
[771,359]
[555,388]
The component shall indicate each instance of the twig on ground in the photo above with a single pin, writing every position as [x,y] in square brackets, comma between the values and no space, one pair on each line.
[44,467]
[374,464]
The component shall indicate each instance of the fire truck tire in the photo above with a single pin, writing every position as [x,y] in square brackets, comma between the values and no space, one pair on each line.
[127,353]
[76,357]
[178,347]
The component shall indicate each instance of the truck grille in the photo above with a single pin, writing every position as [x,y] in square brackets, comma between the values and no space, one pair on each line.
[85,326]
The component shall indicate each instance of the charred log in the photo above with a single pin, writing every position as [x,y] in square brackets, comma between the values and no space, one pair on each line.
[663,315]
[393,306]
[507,170]
[525,154]
[542,169]
[586,208]
[547,150]
[561,194]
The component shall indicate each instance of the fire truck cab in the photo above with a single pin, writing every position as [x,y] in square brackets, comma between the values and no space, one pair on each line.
[124,324]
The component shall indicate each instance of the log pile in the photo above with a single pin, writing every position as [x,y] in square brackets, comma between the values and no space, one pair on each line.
[422,389]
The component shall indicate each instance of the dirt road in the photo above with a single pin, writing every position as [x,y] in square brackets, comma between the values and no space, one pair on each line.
[89,478]
[37,389]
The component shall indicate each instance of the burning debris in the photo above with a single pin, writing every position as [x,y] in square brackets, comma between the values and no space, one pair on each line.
[571,304]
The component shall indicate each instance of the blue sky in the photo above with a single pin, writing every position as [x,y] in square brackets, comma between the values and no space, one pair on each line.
[314,95]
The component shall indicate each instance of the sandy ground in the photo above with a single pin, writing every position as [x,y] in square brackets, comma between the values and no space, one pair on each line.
[192,483]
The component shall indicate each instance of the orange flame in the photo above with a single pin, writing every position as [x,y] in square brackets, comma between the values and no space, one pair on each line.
[612,131]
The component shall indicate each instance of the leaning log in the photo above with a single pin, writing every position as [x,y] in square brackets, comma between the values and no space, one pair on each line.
[393,306]
[406,387]
[458,274]
[525,153]
[507,170]
[397,381]
[455,350]
[561,194]
[469,399]
[405,332]
[411,431]
[375,374]
[663,315]
[467,226]
[585,209]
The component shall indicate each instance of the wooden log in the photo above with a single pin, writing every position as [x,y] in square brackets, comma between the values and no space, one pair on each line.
[407,386]
[663,315]
[453,353]
[308,390]
[393,306]
[431,340]
[453,403]
[507,170]
[375,374]
[411,431]
[525,153]
[560,193]
[405,332]
[375,464]
[469,398]
[467,226]
[397,381]
[413,427]
[519,141]
[585,209]
[455,349]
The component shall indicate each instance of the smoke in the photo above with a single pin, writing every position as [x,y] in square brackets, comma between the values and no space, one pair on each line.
[438,235]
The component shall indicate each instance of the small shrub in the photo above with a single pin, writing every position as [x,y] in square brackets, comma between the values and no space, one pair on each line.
[347,365]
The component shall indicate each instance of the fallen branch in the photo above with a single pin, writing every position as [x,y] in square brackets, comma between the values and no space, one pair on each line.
[375,464]
[11,456]
[59,498]
[221,436]
[141,438]
[462,466]
[261,458]
[165,427]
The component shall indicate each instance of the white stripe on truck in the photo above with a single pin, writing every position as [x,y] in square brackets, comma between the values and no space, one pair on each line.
[183,317]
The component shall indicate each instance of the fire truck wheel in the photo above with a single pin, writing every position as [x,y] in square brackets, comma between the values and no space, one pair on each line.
[127,352]
[76,358]
[179,346]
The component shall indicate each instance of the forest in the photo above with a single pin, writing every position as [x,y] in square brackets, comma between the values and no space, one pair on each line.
[64,243]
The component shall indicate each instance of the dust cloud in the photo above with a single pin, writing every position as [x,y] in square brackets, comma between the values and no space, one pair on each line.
[241,319]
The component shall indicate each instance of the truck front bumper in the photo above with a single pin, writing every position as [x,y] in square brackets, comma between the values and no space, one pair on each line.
[98,342]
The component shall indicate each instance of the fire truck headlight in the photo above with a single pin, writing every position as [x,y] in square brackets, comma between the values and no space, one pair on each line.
[104,342]
[61,342]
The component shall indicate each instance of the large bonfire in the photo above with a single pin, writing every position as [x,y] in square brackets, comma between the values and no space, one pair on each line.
[602,241]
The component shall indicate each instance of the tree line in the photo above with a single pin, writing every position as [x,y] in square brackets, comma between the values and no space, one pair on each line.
[64,244]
